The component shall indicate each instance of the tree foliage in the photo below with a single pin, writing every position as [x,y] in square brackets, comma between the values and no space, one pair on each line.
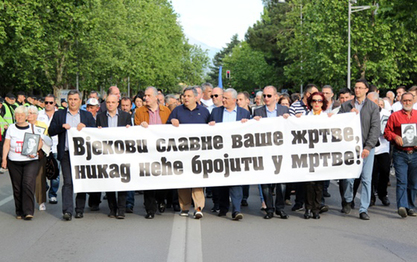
[306,41]
[46,44]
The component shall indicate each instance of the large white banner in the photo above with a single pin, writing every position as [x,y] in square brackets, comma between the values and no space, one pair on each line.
[272,150]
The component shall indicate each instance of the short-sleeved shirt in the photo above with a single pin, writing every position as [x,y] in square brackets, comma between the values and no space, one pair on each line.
[199,115]
[16,135]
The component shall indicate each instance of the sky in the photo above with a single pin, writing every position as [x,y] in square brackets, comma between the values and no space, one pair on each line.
[214,22]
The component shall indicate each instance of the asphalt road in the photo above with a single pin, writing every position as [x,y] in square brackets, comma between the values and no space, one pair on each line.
[169,237]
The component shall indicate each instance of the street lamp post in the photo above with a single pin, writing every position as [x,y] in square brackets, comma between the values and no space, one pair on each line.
[353,9]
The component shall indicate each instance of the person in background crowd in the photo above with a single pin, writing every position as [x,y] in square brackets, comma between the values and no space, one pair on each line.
[243,101]
[229,112]
[93,106]
[285,100]
[405,158]
[382,159]
[153,114]
[113,90]
[258,100]
[190,113]
[138,99]
[327,90]
[161,99]
[200,94]
[62,121]
[64,104]
[371,129]
[171,101]
[21,99]
[127,107]
[217,97]
[206,99]
[22,169]
[93,94]
[397,106]
[114,117]
[391,96]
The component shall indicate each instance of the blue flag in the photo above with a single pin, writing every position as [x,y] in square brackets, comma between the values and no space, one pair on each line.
[220,77]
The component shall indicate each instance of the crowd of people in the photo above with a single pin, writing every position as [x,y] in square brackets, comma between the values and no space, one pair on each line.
[388,127]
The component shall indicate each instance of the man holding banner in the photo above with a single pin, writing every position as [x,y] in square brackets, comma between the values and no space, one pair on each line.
[152,114]
[369,115]
[190,113]
[229,112]
[272,109]
[62,121]
[114,117]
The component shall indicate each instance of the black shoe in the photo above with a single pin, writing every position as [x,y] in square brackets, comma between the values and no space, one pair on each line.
[411,213]
[364,216]
[221,214]
[282,214]
[326,194]
[94,208]
[297,207]
[323,208]
[161,207]
[79,215]
[372,202]
[112,214]
[120,216]
[347,208]
[316,215]
[244,203]
[237,216]
[149,215]
[269,215]
[385,201]
[67,216]
[307,214]
[177,207]
[215,209]
[129,209]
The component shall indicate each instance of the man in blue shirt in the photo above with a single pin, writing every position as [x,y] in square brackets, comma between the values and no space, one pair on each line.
[190,113]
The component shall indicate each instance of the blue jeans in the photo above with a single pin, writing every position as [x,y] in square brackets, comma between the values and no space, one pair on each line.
[406,173]
[236,194]
[366,179]
[130,199]
[53,189]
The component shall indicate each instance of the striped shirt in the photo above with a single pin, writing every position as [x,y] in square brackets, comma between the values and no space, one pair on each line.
[298,107]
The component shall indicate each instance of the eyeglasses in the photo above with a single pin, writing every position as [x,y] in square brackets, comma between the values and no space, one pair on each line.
[316,101]
[216,95]
[269,96]
[49,102]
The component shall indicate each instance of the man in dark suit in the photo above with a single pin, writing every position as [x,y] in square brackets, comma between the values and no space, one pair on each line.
[61,122]
[272,109]
[229,112]
[114,117]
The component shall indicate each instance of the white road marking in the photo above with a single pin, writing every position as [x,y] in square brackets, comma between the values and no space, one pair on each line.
[185,243]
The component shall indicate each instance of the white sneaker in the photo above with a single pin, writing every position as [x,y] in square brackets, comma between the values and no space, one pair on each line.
[42,207]
[2,170]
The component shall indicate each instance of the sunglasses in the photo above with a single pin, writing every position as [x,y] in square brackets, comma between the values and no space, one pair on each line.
[49,102]
[269,96]
[216,95]
[316,100]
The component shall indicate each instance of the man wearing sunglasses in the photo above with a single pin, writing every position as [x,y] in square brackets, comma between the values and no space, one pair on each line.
[272,109]
[46,116]
[217,97]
